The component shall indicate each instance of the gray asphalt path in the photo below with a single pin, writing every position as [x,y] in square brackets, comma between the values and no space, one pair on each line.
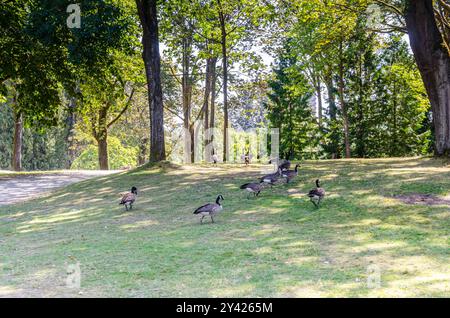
[20,188]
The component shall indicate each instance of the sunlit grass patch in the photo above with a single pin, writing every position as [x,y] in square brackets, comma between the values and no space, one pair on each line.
[276,245]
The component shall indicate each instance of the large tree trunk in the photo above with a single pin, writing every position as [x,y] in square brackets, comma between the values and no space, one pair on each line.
[342,101]
[150,41]
[225,82]
[17,142]
[433,62]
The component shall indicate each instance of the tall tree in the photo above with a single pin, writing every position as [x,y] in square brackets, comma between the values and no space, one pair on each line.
[288,107]
[147,11]
[433,60]
[426,23]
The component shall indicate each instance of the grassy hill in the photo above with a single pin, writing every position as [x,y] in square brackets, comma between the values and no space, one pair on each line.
[275,245]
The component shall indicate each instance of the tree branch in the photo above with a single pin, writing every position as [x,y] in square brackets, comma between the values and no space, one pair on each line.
[173,112]
[391,7]
[123,110]
[174,74]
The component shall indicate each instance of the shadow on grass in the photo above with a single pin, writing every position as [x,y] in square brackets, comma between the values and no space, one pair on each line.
[275,245]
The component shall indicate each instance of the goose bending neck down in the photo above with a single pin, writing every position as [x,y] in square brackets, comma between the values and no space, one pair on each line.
[253,187]
[271,178]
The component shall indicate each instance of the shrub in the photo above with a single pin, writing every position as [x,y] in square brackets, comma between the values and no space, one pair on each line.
[119,156]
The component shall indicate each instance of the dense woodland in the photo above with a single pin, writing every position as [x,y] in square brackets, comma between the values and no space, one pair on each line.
[339,78]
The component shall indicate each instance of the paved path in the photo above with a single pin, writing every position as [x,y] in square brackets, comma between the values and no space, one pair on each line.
[24,187]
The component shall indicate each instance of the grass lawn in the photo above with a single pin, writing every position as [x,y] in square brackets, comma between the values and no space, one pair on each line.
[273,246]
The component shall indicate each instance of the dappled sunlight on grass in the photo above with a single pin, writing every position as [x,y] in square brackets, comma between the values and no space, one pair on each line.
[140,224]
[266,229]
[277,244]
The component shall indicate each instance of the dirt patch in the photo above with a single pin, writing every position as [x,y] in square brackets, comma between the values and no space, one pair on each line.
[423,199]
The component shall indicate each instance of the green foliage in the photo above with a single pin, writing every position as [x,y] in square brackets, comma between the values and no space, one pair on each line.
[386,99]
[119,156]
[289,108]
[6,135]
[382,90]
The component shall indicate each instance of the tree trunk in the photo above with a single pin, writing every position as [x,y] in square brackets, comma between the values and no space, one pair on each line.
[319,99]
[225,83]
[186,92]
[206,108]
[70,137]
[332,110]
[192,143]
[102,143]
[394,144]
[331,96]
[150,42]
[318,87]
[17,142]
[433,62]
[342,101]
[102,139]
[213,102]
[360,131]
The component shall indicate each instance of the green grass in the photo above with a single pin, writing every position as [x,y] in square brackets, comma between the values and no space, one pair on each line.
[273,246]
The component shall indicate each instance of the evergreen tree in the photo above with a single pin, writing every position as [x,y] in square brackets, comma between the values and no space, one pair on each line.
[289,108]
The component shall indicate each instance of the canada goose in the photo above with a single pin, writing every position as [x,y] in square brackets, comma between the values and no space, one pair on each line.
[285,165]
[210,209]
[290,174]
[254,188]
[316,195]
[129,198]
[271,178]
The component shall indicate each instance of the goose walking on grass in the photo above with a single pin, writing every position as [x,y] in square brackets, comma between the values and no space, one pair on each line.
[290,174]
[271,178]
[253,187]
[129,198]
[210,209]
[316,195]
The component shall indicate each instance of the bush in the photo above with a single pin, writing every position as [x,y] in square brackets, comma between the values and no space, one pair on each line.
[119,156]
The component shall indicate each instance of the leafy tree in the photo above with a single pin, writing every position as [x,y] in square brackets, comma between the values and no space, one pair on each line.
[289,109]
[43,55]
[426,23]
[120,156]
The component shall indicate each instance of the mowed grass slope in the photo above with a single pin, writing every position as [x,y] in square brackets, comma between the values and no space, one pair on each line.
[273,246]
